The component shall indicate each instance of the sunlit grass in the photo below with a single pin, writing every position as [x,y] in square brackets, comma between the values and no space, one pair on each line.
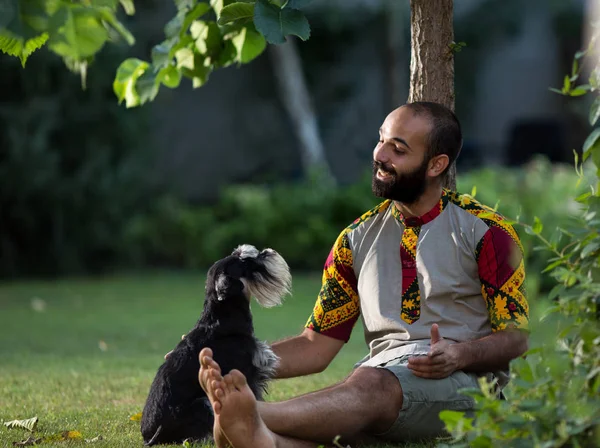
[81,354]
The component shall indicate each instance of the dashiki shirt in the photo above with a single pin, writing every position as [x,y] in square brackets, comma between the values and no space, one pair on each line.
[460,265]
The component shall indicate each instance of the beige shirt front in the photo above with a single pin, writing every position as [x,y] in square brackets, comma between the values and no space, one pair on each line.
[469,278]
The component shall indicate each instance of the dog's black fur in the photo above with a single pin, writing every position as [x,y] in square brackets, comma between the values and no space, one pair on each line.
[177,408]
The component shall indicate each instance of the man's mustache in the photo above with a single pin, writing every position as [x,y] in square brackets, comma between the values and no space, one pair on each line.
[380,166]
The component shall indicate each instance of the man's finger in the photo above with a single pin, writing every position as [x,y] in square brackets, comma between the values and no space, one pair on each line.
[425,361]
[435,334]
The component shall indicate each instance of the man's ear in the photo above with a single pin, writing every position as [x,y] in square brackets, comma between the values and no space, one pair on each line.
[438,164]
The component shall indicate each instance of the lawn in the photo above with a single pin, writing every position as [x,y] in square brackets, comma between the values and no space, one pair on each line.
[80,354]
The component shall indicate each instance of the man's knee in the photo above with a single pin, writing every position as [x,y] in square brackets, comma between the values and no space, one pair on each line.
[377,386]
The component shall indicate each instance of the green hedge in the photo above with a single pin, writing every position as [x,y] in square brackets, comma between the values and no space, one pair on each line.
[72,167]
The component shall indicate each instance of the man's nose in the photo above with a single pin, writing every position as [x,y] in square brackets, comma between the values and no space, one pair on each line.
[380,153]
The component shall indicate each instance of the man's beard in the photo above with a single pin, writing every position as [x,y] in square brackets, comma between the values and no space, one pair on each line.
[406,188]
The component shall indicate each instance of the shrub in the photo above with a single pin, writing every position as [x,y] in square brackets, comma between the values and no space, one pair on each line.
[554,395]
[71,167]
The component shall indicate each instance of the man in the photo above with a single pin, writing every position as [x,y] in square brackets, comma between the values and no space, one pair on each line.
[438,280]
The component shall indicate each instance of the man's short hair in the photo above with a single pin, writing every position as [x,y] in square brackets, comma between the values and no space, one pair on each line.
[445,136]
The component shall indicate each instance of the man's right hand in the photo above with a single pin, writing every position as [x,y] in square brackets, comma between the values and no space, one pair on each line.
[167,355]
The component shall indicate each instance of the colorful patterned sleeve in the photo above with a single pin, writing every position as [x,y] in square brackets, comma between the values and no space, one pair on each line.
[337,308]
[502,275]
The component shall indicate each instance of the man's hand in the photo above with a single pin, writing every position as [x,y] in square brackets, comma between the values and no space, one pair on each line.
[441,361]
[167,355]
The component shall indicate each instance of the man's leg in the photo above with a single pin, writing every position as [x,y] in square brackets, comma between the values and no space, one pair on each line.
[368,401]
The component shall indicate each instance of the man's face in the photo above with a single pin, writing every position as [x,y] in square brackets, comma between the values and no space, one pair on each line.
[399,159]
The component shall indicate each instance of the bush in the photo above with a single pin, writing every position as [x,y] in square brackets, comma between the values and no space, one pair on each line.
[71,166]
[539,191]
[554,395]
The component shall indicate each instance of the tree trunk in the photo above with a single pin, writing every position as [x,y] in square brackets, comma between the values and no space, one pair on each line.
[295,97]
[432,58]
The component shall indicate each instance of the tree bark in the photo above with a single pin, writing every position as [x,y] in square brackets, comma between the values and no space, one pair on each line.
[295,97]
[432,58]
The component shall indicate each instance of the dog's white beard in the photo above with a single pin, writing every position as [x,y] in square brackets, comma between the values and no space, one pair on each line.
[267,292]
[270,292]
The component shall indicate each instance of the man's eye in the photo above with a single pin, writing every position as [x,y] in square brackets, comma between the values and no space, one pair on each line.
[398,150]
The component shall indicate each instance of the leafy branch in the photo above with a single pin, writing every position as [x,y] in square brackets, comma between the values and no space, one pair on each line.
[202,37]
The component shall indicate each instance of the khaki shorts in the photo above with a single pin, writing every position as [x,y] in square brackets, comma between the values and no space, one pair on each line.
[423,400]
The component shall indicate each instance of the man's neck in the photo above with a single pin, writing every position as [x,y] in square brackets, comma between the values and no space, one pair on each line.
[425,203]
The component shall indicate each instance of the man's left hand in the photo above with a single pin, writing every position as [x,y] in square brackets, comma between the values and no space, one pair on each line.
[441,361]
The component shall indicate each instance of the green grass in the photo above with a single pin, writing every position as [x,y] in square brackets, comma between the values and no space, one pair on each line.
[86,361]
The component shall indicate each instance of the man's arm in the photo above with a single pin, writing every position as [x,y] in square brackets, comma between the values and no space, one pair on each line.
[490,353]
[493,352]
[310,352]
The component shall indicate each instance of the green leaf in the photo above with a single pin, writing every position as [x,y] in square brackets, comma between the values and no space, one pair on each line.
[174,26]
[185,58]
[200,73]
[169,76]
[590,248]
[147,87]
[236,11]
[198,11]
[537,225]
[591,141]
[218,5]
[207,37]
[110,18]
[275,23]
[128,6]
[26,19]
[76,32]
[578,92]
[552,89]
[474,190]
[20,48]
[249,45]
[161,53]
[29,423]
[124,84]
[566,84]
[228,55]
[553,265]
[595,111]
[23,27]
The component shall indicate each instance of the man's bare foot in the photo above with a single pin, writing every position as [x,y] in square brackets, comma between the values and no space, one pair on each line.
[210,380]
[210,372]
[238,419]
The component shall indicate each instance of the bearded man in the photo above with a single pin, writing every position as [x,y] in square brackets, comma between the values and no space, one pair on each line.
[438,280]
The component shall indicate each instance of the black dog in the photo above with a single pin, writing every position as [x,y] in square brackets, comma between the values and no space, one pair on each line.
[177,408]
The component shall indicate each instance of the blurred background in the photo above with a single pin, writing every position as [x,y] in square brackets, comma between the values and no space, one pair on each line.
[88,187]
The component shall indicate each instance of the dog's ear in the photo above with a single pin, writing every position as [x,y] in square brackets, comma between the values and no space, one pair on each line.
[227,286]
